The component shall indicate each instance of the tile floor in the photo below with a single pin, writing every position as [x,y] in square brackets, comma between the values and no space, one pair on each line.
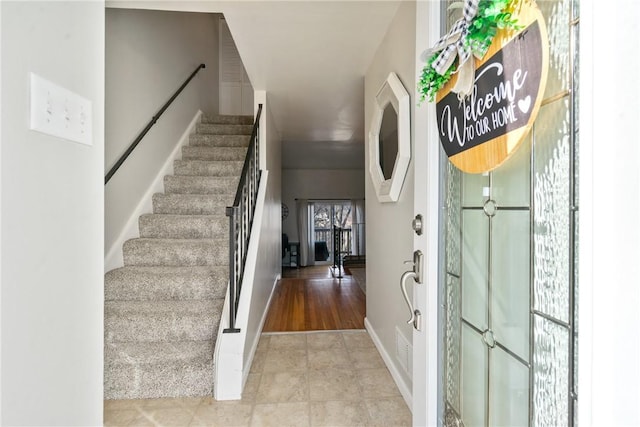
[297,379]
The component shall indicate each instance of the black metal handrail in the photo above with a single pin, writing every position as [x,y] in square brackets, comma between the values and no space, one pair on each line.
[241,218]
[153,121]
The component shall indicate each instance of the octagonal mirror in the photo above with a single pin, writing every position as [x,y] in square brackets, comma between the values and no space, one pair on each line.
[390,140]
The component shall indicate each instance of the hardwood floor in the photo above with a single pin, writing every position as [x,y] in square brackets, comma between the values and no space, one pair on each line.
[310,299]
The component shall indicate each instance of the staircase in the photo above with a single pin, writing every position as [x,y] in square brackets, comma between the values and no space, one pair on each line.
[163,308]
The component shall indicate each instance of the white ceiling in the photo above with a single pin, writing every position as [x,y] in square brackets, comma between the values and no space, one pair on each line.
[311,58]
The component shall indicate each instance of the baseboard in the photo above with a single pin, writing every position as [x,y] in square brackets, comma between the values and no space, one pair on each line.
[113,258]
[404,388]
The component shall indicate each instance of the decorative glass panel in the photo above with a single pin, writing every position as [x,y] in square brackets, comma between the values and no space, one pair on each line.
[551,210]
[508,391]
[473,188]
[557,15]
[511,181]
[475,266]
[474,378]
[510,245]
[550,374]
[576,111]
[453,213]
[452,342]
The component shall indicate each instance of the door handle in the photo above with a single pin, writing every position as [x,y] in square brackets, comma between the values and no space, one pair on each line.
[416,275]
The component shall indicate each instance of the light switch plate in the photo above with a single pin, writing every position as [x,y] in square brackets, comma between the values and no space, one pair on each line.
[58,112]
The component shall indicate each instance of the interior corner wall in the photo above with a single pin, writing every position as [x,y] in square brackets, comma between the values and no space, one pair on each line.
[149,54]
[317,184]
[52,220]
[389,233]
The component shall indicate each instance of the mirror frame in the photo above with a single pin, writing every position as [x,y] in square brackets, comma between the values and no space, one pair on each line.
[392,92]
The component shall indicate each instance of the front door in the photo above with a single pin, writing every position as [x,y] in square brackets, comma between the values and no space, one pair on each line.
[500,332]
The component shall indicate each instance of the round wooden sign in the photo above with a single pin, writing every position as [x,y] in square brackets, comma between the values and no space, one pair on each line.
[481,131]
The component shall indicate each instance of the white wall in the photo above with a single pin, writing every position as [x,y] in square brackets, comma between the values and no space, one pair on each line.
[317,184]
[52,221]
[268,266]
[149,54]
[234,351]
[609,295]
[389,233]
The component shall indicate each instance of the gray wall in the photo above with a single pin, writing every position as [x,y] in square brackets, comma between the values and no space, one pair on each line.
[52,221]
[317,184]
[148,56]
[389,234]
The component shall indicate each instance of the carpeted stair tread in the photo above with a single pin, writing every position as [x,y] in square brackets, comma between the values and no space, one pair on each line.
[154,321]
[207,168]
[175,252]
[191,204]
[155,352]
[228,119]
[213,153]
[223,129]
[185,184]
[152,370]
[184,226]
[163,308]
[166,283]
[207,140]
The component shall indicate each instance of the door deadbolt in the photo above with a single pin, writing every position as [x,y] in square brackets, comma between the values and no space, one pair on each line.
[417,224]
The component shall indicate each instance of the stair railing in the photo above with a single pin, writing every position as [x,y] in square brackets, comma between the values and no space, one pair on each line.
[241,218]
[148,127]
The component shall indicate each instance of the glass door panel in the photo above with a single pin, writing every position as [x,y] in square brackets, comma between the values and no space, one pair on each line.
[510,243]
[474,378]
[511,181]
[473,189]
[509,394]
[550,373]
[552,197]
[452,337]
[475,267]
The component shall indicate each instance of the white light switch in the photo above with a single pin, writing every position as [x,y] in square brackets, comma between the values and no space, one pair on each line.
[57,111]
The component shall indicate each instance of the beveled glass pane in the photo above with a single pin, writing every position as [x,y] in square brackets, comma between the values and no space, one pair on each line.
[557,14]
[551,210]
[576,111]
[475,267]
[453,212]
[452,342]
[510,280]
[550,373]
[511,181]
[474,378]
[508,390]
[576,299]
[473,188]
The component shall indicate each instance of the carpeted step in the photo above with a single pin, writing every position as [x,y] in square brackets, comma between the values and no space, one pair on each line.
[228,120]
[185,184]
[152,370]
[207,168]
[191,204]
[198,140]
[154,321]
[214,153]
[175,252]
[166,283]
[184,226]
[223,129]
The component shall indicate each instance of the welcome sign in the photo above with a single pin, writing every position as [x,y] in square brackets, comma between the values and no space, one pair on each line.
[480,131]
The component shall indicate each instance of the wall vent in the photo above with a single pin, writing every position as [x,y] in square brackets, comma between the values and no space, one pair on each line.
[404,352]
